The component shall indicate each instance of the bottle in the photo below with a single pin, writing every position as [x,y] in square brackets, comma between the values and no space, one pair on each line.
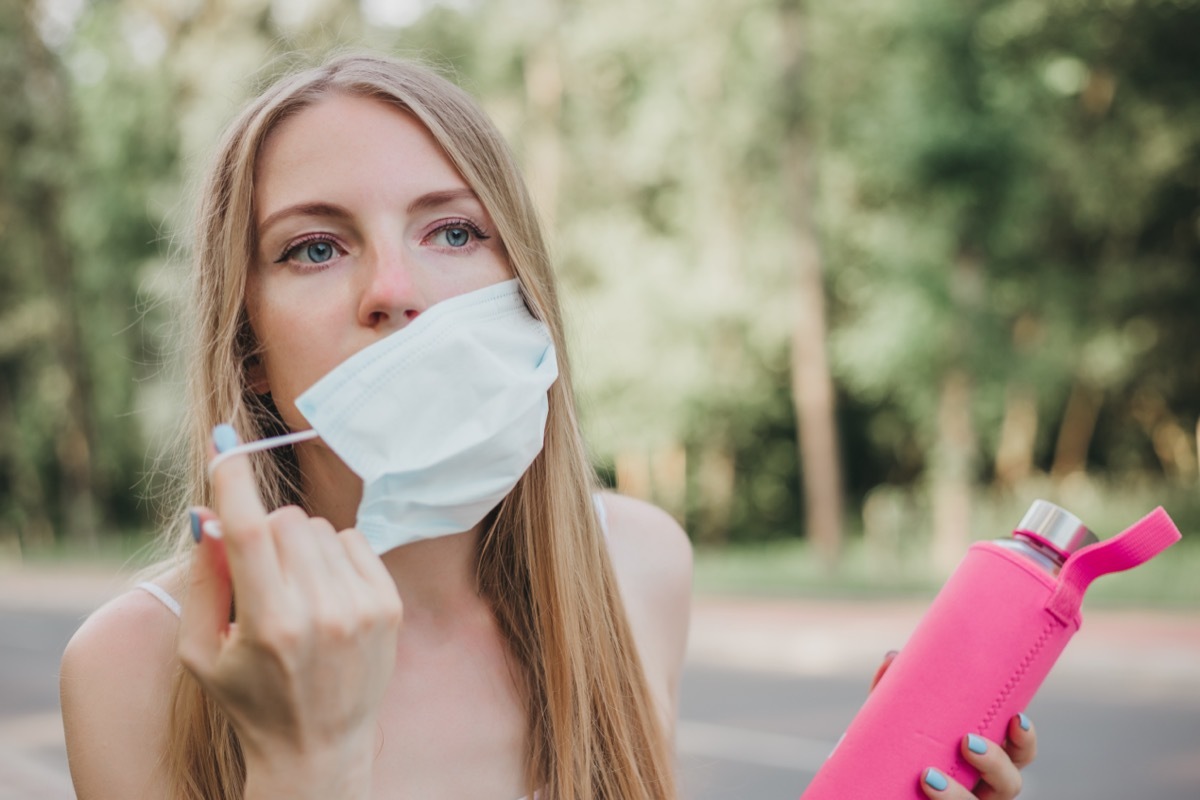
[979,653]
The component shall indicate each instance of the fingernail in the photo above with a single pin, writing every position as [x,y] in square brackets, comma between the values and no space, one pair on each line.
[1023,721]
[224,437]
[976,744]
[936,780]
[195,524]
[890,654]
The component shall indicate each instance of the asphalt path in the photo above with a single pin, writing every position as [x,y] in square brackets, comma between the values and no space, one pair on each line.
[761,736]
[746,731]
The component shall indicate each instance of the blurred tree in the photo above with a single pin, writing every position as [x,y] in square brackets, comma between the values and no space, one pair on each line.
[1002,263]
[999,201]
[47,401]
[812,382]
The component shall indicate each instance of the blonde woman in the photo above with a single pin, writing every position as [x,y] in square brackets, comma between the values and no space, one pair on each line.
[537,652]
[397,579]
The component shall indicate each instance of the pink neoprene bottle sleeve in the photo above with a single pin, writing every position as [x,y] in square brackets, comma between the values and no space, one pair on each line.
[976,658]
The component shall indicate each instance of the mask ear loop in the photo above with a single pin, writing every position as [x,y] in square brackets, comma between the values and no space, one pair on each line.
[262,444]
[213,527]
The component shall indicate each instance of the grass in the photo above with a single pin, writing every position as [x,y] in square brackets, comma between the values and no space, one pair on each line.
[789,569]
[126,551]
[896,564]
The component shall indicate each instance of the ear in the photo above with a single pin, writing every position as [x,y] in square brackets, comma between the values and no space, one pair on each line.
[256,376]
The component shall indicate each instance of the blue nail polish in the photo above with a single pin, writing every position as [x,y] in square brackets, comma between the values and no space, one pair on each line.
[976,744]
[936,780]
[1023,721]
[224,437]
[195,525]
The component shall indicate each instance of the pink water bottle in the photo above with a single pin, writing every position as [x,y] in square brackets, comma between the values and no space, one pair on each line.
[980,653]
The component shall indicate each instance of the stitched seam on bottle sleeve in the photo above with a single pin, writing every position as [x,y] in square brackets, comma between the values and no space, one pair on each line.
[1013,682]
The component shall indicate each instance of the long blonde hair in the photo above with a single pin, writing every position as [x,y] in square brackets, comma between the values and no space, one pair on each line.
[542,563]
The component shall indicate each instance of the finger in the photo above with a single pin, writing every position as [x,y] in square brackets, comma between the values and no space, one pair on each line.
[936,784]
[367,564]
[204,619]
[249,546]
[888,658]
[333,553]
[999,779]
[1022,741]
[308,554]
[298,555]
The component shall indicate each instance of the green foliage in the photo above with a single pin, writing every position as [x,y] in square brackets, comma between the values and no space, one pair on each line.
[1053,149]
[899,566]
[1006,189]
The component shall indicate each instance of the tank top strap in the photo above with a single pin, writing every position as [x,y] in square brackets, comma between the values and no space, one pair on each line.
[163,596]
[601,513]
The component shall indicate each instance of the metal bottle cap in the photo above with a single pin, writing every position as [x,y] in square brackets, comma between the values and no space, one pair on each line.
[1056,528]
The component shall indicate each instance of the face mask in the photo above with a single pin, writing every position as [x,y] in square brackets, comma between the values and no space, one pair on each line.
[440,419]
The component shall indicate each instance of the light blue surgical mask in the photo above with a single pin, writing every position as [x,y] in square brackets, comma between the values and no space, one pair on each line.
[440,419]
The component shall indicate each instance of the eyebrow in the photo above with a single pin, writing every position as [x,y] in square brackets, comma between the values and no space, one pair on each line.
[435,199]
[304,210]
[422,203]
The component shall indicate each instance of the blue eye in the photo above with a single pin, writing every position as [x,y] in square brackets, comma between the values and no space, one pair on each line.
[310,252]
[457,237]
[457,234]
[318,252]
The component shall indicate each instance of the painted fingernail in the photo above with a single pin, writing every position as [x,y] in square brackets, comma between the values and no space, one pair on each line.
[936,780]
[224,437]
[195,524]
[1023,721]
[976,744]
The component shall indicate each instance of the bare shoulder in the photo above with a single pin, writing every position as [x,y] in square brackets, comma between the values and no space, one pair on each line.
[649,548]
[115,681]
[652,557]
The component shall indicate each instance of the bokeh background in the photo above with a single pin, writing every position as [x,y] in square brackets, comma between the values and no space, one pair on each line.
[849,282]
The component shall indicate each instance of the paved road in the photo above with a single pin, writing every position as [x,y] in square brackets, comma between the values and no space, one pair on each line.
[761,736]
[768,688]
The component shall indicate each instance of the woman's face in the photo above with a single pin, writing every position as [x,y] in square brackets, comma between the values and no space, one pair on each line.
[362,225]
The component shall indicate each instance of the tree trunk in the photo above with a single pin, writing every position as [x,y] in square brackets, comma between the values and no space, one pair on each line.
[31,528]
[813,396]
[74,445]
[1018,435]
[1075,434]
[712,501]
[633,473]
[543,92]
[954,456]
[668,478]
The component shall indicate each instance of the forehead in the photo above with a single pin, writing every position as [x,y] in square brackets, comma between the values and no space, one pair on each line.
[344,148]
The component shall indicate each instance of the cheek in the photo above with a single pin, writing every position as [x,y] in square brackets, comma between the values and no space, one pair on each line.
[299,344]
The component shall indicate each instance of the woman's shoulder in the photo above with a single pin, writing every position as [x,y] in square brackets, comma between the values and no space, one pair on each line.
[652,557]
[647,543]
[115,682]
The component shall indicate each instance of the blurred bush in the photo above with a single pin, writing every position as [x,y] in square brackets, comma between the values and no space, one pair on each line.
[831,267]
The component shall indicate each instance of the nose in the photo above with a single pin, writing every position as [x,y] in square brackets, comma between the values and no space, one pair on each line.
[391,296]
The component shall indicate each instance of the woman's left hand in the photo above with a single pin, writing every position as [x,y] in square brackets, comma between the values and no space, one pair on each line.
[999,765]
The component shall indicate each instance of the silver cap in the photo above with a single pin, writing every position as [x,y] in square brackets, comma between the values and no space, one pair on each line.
[1056,527]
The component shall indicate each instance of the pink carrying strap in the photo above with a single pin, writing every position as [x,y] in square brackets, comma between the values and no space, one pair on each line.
[1136,545]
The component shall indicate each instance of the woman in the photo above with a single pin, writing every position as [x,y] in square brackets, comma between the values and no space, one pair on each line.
[536,649]
[535,652]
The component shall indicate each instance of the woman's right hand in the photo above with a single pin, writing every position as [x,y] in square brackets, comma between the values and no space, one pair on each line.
[302,670]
